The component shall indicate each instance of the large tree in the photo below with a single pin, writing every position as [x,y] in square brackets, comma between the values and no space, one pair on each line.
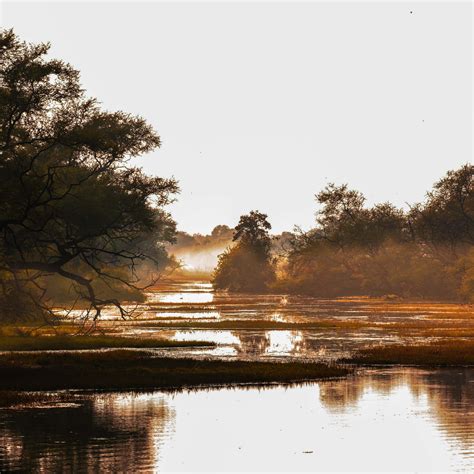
[344,221]
[71,205]
[446,218]
[247,266]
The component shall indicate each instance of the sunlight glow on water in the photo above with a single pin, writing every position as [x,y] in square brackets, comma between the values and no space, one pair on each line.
[184,302]
[396,420]
[223,337]
[185,315]
[392,420]
[205,297]
[283,342]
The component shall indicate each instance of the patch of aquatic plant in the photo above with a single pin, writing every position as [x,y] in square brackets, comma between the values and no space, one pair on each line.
[15,399]
[182,308]
[30,329]
[121,369]
[252,324]
[444,352]
[42,343]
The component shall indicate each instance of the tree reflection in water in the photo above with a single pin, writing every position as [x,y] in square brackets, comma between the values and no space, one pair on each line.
[449,392]
[106,433]
[270,343]
[274,426]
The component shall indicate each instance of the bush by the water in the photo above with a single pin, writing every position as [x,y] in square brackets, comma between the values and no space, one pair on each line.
[425,252]
[247,266]
[357,250]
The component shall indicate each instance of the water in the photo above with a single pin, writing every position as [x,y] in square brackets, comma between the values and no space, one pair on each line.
[374,320]
[387,420]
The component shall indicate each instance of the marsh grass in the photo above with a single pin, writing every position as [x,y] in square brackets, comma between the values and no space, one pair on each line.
[242,324]
[10,398]
[62,342]
[441,353]
[122,369]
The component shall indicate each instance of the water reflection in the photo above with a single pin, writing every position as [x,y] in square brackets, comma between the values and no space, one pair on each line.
[284,342]
[195,303]
[97,433]
[204,315]
[251,343]
[220,337]
[405,419]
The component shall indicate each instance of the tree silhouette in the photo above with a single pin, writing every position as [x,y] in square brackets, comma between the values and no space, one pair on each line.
[247,266]
[71,206]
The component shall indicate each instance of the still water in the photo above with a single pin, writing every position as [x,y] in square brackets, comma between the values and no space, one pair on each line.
[368,321]
[386,420]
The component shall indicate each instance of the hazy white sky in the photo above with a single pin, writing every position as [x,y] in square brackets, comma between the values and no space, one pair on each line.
[259,105]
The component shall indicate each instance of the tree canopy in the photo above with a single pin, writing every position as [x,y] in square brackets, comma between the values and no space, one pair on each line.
[358,250]
[247,266]
[343,220]
[71,205]
[447,215]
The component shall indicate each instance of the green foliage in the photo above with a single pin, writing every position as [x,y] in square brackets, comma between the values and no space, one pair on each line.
[241,269]
[343,219]
[252,231]
[247,266]
[70,204]
[355,250]
[447,216]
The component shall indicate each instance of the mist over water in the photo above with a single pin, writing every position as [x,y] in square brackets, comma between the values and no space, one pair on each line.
[199,261]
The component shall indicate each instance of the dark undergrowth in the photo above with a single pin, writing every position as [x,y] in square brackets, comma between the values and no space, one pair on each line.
[43,343]
[441,353]
[122,369]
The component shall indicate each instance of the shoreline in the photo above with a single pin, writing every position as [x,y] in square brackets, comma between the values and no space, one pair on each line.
[121,369]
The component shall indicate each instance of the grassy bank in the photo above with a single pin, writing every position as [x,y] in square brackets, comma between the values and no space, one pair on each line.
[122,369]
[442,353]
[43,343]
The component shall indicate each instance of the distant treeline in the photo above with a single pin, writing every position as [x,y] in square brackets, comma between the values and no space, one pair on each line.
[424,252]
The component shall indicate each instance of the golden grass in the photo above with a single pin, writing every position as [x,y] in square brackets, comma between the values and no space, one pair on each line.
[43,343]
[251,324]
[440,353]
